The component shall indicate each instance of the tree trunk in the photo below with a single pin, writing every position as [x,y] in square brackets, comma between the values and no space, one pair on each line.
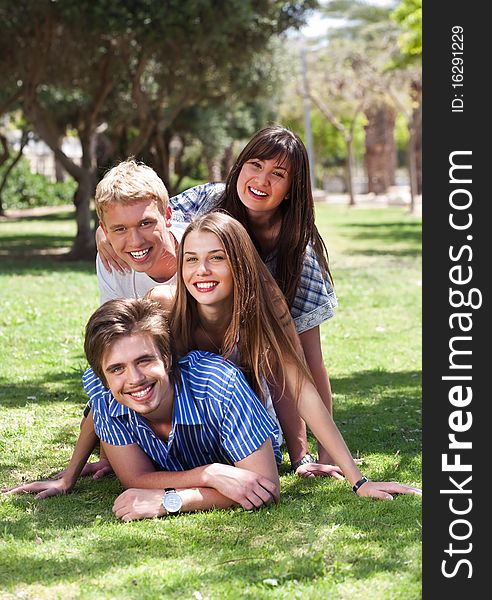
[350,171]
[228,159]
[412,169]
[157,155]
[60,172]
[23,141]
[380,156]
[418,159]
[417,133]
[84,244]
[213,167]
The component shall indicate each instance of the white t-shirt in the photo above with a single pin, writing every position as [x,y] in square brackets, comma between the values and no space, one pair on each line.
[133,284]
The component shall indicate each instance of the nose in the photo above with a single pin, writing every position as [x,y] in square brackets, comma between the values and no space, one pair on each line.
[135,375]
[203,267]
[262,178]
[135,237]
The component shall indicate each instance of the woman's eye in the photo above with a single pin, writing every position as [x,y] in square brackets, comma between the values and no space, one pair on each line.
[190,259]
[217,257]
[279,174]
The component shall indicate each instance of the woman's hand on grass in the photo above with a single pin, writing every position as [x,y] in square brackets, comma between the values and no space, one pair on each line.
[383,490]
[319,470]
[108,256]
[42,489]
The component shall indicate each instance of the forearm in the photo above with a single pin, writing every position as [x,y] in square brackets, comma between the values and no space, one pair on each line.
[322,383]
[83,449]
[203,498]
[145,476]
[311,345]
[319,420]
[147,503]
[161,479]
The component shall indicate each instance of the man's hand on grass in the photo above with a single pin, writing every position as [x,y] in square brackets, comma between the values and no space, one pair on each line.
[135,504]
[247,488]
[97,469]
[42,489]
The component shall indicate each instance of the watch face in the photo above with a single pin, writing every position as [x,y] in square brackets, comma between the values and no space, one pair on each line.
[172,502]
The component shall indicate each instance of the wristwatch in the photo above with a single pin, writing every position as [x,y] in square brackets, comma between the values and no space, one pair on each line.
[172,501]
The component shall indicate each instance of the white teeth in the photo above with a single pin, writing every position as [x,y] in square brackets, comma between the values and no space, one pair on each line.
[142,393]
[139,253]
[257,192]
[205,285]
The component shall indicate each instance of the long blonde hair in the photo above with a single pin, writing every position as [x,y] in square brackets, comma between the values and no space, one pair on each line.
[261,328]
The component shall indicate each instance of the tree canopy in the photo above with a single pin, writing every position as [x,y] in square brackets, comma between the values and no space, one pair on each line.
[132,68]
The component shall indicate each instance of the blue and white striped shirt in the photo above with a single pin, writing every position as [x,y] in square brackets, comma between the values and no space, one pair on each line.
[216,417]
[315,298]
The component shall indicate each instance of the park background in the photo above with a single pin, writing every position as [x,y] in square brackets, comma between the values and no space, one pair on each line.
[183,86]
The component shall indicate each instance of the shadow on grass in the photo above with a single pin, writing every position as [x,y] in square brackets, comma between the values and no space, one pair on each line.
[42,260]
[49,216]
[318,527]
[288,541]
[379,411]
[52,388]
[26,253]
[383,235]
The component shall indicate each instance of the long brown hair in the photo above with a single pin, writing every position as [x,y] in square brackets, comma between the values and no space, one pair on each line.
[260,327]
[298,228]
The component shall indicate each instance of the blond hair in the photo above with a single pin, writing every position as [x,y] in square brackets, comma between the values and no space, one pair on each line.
[130,182]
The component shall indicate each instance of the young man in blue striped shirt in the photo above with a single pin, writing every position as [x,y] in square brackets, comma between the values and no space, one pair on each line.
[173,432]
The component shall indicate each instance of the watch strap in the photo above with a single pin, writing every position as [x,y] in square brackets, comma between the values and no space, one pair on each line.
[360,483]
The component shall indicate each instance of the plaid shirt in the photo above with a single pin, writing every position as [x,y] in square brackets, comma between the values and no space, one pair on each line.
[315,299]
[216,417]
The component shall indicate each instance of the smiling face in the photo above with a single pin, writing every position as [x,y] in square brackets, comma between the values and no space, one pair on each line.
[206,271]
[137,376]
[140,235]
[263,184]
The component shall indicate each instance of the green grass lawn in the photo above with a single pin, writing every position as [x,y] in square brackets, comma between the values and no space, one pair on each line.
[321,541]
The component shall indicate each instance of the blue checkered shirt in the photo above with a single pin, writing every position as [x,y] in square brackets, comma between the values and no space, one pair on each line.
[315,299]
[216,417]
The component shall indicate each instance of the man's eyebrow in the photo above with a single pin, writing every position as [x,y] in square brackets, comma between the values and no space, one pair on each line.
[119,364]
[112,366]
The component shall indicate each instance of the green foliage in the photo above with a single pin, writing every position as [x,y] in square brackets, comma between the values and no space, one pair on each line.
[321,541]
[25,189]
[408,14]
